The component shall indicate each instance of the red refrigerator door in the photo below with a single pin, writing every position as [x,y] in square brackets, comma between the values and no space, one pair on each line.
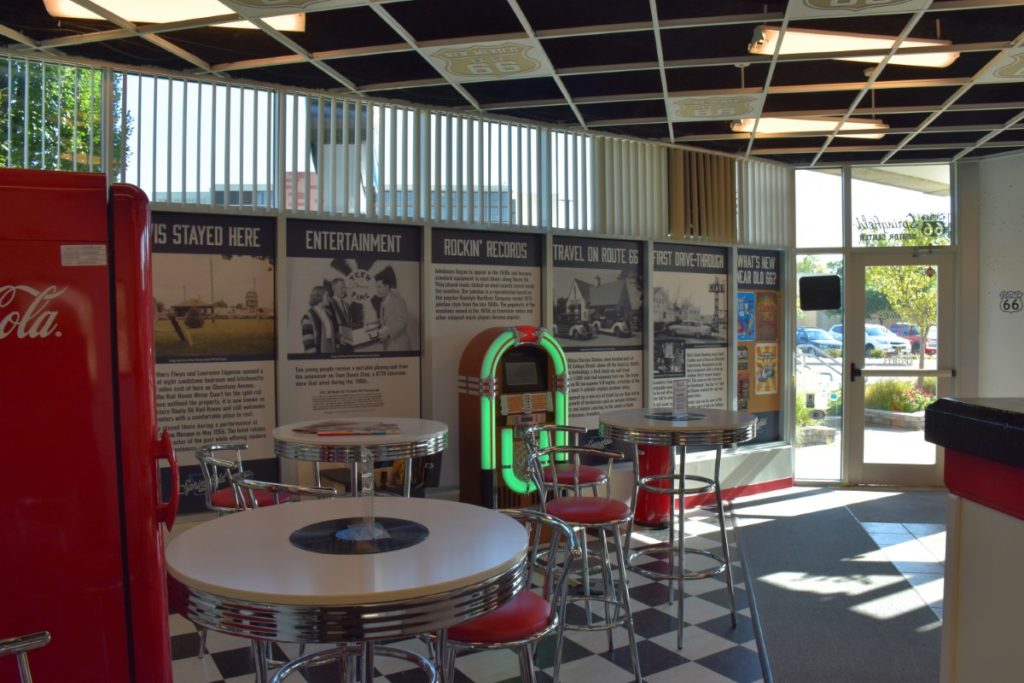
[71,543]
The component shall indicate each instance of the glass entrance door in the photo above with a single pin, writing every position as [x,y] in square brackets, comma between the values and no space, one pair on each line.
[897,338]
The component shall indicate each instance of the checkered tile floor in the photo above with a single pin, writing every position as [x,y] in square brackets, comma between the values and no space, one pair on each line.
[713,651]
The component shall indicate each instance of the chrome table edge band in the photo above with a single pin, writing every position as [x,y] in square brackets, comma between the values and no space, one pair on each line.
[662,437]
[338,453]
[345,623]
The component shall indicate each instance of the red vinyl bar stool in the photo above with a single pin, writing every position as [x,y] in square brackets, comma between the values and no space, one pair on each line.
[20,646]
[529,616]
[602,517]
[561,476]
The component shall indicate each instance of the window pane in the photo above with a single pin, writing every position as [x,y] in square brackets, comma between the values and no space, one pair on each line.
[819,209]
[901,206]
[818,362]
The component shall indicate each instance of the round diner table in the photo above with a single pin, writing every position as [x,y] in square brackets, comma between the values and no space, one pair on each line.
[675,431]
[406,438]
[306,573]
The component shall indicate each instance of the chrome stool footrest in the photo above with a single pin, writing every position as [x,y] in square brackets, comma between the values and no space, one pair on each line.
[718,568]
[347,655]
[604,625]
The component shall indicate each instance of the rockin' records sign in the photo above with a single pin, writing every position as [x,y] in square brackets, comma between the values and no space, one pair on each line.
[715,107]
[491,61]
[809,9]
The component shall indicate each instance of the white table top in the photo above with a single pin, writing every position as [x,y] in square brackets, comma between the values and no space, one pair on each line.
[248,556]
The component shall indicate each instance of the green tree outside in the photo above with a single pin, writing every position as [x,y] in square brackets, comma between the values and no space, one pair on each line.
[911,291]
[56,120]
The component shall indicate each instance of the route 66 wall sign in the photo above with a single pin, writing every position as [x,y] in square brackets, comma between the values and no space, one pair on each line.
[1011,301]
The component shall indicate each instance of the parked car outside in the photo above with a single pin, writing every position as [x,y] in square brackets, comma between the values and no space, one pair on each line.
[878,337]
[931,341]
[912,333]
[818,338]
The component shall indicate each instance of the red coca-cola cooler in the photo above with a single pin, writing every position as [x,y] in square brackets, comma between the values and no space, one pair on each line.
[79,451]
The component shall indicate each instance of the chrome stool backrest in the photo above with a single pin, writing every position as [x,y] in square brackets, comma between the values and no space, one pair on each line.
[218,465]
[246,490]
[20,646]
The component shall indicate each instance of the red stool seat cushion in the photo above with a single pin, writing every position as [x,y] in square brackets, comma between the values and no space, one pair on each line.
[588,510]
[521,617]
[225,498]
[564,471]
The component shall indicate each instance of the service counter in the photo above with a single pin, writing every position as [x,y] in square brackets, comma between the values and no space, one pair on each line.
[983,600]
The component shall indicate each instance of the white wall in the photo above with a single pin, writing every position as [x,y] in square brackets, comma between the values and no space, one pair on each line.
[1001,268]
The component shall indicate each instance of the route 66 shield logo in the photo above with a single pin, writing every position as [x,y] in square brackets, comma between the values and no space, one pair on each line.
[714,107]
[260,7]
[488,62]
[806,9]
[1011,301]
[1009,68]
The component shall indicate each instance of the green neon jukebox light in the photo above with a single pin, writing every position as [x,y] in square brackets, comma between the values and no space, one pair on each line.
[509,378]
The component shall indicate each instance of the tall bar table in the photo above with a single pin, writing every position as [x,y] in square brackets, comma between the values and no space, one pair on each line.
[697,427]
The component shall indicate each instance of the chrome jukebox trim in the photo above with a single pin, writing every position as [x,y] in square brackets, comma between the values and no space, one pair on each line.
[477,386]
[336,453]
[345,623]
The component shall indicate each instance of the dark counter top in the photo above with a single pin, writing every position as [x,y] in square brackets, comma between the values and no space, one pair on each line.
[991,428]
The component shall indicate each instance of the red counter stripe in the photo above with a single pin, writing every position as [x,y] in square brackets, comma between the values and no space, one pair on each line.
[991,483]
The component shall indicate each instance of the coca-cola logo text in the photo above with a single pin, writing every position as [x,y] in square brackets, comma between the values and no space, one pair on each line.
[24,312]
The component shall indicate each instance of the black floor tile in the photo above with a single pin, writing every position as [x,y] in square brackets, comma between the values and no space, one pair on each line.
[736,663]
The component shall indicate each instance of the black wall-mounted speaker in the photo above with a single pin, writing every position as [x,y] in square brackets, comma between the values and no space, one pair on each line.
[820,293]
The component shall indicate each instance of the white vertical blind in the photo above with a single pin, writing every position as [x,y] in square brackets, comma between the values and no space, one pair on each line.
[204,143]
[631,178]
[766,203]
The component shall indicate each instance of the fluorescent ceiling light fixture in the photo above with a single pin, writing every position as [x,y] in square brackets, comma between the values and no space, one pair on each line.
[798,41]
[166,11]
[851,128]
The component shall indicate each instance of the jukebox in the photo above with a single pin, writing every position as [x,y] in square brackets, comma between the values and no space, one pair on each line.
[509,378]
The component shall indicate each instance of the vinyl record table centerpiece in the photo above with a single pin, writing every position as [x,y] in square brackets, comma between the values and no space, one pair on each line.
[319,572]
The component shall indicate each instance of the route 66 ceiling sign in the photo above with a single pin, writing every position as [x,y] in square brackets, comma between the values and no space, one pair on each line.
[1011,301]
[714,107]
[806,9]
[491,61]
[1008,68]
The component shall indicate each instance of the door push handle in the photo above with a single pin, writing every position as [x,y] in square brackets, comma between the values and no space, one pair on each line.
[854,372]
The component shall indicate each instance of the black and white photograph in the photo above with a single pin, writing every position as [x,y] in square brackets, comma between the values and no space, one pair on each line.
[213,287]
[669,358]
[352,291]
[690,296]
[598,294]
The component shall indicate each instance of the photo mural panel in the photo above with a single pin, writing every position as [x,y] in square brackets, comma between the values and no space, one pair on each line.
[481,280]
[758,323]
[213,284]
[598,318]
[351,307]
[690,312]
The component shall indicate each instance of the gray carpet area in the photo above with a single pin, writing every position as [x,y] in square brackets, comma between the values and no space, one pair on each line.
[909,507]
[830,608]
